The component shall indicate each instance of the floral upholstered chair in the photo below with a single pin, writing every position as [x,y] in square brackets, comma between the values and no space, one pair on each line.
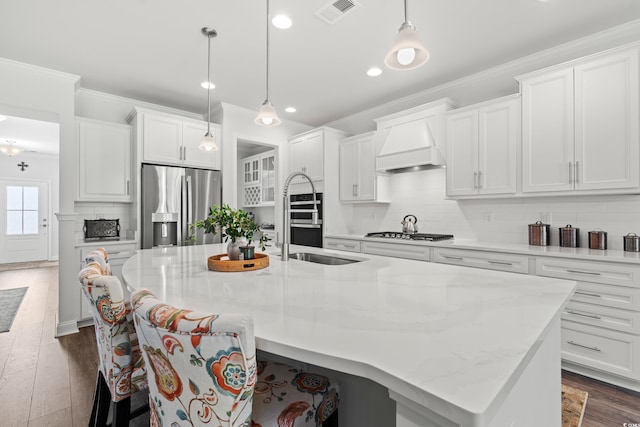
[121,367]
[203,372]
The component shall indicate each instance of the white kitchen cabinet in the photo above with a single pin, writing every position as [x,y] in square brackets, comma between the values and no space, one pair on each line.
[482,259]
[397,250]
[580,126]
[601,323]
[104,151]
[482,148]
[118,253]
[307,155]
[259,178]
[349,245]
[173,140]
[359,181]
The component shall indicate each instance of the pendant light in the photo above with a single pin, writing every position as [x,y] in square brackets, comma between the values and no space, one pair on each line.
[10,149]
[407,52]
[267,115]
[208,142]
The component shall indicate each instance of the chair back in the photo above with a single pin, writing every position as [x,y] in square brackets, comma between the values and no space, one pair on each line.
[201,367]
[99,256]
[120,360]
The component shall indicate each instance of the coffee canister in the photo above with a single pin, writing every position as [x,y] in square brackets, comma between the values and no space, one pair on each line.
[569,236]
[631,242]
[539,234]
[597,239]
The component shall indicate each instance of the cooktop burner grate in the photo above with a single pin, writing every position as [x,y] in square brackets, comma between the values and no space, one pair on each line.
[407,236]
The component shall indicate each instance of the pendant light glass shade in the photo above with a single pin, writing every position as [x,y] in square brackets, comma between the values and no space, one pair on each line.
[267,115]
[407,52]
[208,142]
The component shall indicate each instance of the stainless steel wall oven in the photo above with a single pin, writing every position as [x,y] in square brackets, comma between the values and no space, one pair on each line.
[303,231]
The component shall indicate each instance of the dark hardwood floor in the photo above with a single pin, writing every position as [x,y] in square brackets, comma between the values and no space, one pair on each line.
[48,381]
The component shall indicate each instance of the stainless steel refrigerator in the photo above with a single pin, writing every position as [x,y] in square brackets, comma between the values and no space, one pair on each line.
[174,197]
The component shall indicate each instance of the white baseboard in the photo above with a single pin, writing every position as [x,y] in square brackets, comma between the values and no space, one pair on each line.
[66,328]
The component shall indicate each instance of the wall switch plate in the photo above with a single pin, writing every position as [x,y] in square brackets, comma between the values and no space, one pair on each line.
[488,216]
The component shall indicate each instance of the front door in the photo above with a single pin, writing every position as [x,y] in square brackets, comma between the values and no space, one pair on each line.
[24,222]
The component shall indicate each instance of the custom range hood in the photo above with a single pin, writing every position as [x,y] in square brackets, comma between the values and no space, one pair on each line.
[411,140]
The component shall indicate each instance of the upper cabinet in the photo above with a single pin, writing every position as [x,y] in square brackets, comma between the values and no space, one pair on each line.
[359,181]
[306,153]
[104,161]
[173,140]
[482,148]
[259,179]
[580,126]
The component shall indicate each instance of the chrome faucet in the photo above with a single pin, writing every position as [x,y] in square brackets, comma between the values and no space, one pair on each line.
[286,210]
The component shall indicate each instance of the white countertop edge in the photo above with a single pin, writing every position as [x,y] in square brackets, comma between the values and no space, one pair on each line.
[609,255]
[100,243]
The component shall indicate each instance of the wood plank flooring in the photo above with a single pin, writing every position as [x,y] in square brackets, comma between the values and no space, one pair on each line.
[48,381]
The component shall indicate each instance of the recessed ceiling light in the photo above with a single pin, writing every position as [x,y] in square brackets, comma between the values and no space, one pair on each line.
[281,21]
[290,109]
[374,72]
[208,85]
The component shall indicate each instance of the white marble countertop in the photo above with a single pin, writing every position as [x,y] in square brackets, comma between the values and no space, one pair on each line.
[449,338]
[610,255]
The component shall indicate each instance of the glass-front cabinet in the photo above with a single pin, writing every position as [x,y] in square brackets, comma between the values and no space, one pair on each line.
[259,172]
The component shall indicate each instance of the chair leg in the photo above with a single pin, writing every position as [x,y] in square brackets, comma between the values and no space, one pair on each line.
[121,410]
[101,403]
[332,421]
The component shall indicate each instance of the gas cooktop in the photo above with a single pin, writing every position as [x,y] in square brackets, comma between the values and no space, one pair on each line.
[408,236]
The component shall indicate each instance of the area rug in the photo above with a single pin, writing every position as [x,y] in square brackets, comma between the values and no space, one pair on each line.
[10,300]
[574,401]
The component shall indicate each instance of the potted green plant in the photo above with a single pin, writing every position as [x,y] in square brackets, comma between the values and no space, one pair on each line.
[235,225]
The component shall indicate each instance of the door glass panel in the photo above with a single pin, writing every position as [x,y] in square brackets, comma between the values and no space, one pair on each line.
[14,198]
[30,198]
[14,222]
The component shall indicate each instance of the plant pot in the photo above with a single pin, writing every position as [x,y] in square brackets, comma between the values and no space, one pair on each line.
[233,248]
[248,252]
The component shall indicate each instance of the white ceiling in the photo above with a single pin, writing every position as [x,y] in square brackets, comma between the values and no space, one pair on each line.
[152,50]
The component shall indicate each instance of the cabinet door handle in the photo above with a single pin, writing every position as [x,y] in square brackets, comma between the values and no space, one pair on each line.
[479,180]
[475,179]
[591,316]
[588,294]
[590,273]
[576,172]
[499,262]
[584,346]
[127,187]
[357,189]
[457,258]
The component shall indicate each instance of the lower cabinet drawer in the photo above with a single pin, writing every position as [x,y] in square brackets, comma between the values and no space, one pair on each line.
[605,317]
[609,351]
[609,295]
[397,250]
[486,260]
[343,244]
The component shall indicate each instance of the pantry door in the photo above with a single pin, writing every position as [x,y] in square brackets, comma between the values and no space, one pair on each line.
[24,222]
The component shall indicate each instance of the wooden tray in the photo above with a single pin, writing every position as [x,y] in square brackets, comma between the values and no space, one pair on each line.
[215,263]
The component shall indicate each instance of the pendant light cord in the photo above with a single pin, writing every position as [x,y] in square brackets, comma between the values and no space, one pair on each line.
[209,84]
[405,11]
[267,50]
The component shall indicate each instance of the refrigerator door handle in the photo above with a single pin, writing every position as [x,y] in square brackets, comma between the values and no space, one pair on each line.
[183,226]
[189,202]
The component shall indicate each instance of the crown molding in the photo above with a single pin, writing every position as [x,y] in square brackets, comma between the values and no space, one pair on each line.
[41,70]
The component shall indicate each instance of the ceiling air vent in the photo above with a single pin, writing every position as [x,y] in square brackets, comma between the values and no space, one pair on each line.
[335,10]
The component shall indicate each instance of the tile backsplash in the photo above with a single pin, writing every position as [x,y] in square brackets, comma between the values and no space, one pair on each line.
[98,210]
[506,220]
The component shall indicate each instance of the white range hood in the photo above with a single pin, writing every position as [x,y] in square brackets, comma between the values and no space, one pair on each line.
[412,139]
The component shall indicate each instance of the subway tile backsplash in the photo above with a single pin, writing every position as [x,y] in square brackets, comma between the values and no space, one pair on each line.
[506,220]
[98,210]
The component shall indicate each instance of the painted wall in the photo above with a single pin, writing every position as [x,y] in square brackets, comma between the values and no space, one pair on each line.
[44,168]
[42,94]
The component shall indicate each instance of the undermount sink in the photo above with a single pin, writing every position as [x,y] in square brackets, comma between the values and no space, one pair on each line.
[322,259]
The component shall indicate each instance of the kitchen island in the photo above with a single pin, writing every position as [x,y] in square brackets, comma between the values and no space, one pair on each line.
[454,346]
